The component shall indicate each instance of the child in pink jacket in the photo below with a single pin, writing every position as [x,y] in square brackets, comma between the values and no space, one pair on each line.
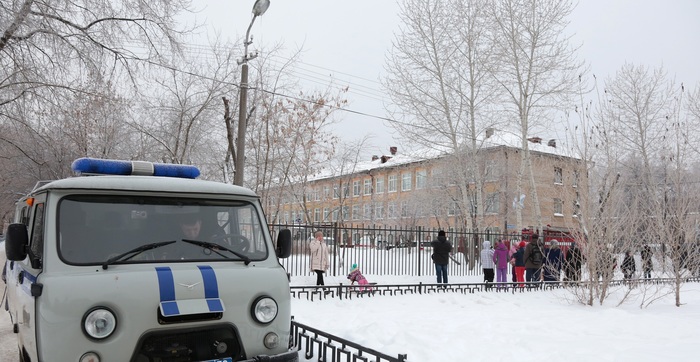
[356,276]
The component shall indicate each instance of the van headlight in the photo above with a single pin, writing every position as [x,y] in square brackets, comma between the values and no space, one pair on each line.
[99,323]
[264,310]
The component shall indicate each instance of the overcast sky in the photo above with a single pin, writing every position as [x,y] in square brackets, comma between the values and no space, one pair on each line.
[348,40]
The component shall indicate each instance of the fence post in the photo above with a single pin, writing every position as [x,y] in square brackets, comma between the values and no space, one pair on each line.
[419,238]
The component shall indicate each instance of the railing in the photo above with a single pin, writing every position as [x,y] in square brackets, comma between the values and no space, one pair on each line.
[353,291]
[315,342]
[385,251]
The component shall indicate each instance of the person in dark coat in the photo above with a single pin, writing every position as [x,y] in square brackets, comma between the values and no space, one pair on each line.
[647,265]
[441,256]
[573,262]
[629,266]
[534,256]
[552,262]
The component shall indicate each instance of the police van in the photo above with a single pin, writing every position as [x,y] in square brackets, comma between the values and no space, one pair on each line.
[136,261]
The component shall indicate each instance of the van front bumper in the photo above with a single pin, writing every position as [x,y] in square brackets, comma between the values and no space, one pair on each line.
[290,356]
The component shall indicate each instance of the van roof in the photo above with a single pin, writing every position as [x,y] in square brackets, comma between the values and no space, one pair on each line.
[146,183]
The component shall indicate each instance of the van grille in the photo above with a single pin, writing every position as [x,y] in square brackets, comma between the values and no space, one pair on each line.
[191,344]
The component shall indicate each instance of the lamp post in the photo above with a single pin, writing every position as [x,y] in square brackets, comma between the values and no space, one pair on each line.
[259,8]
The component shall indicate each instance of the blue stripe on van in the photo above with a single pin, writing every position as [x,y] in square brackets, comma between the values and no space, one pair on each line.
[170,308]
[211,288]
[166,284]
[215,305]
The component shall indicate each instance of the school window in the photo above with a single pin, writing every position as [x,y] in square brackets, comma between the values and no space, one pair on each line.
[335,215]
[558,207]
[379,210]
[346,210]
[317,194]
[346,190]
[379,185]
[391,210]
[574,182]
[392,183]
[368,186]
[452,208]
[285,218]
[326,212]
[317,215]
[367,208]
[492,203]
[356,212]
[336,191]
[356,188]
[488,172]
[558,176]
[326,192]
[421,179]
[406,181]
[404,208]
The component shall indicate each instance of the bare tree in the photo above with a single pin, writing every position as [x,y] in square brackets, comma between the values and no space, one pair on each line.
[538,70]
[60,63]
[440,79]
[179,109]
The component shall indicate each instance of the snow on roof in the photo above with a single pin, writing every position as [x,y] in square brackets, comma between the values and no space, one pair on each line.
[495,139]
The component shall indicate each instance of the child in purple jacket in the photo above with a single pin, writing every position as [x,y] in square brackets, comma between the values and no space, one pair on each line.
[500,261]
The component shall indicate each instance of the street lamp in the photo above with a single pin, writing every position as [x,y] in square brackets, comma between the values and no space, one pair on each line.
[259,8]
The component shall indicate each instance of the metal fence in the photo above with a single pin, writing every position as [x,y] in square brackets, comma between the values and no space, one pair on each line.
[323,346]
[385,250]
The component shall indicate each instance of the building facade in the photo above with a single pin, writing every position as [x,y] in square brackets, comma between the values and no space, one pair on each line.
[402,191]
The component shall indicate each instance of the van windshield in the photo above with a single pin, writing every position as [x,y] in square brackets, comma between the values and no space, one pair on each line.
[92,229]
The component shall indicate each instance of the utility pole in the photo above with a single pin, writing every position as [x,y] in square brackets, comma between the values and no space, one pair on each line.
[259,8]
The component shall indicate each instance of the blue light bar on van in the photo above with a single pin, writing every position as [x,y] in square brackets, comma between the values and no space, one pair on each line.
[96,166]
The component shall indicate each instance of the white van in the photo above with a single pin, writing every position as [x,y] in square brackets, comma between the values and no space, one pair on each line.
[146,264]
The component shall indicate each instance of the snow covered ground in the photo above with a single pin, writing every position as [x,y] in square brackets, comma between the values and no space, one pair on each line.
[544,325]
[537,326]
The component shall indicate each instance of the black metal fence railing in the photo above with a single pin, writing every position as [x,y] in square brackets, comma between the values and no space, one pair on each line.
[353,291]
[327,347]
[385,250]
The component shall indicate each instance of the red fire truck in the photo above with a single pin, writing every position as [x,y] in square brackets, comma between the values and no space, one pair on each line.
[565,237]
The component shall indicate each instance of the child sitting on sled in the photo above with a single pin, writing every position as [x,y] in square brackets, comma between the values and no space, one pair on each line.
[356,276]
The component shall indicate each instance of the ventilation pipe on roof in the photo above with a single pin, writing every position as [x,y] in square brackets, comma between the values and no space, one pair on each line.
[552,143]
[393,150]
[489,132]
[375,157]
[535,139]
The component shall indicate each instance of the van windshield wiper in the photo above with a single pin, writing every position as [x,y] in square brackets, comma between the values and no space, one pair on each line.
[214,247]
[135,251]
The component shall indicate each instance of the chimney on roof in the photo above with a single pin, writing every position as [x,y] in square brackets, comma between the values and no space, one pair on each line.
[489,132]
[385,158]
[375,157]
[393,150]
[552,143]
[535,139]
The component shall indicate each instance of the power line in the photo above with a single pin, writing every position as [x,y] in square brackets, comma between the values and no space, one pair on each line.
[236,85]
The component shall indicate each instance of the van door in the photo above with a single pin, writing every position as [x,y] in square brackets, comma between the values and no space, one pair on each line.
[24,274]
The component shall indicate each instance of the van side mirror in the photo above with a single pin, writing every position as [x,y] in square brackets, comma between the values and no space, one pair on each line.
[16,242]
[284,243]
